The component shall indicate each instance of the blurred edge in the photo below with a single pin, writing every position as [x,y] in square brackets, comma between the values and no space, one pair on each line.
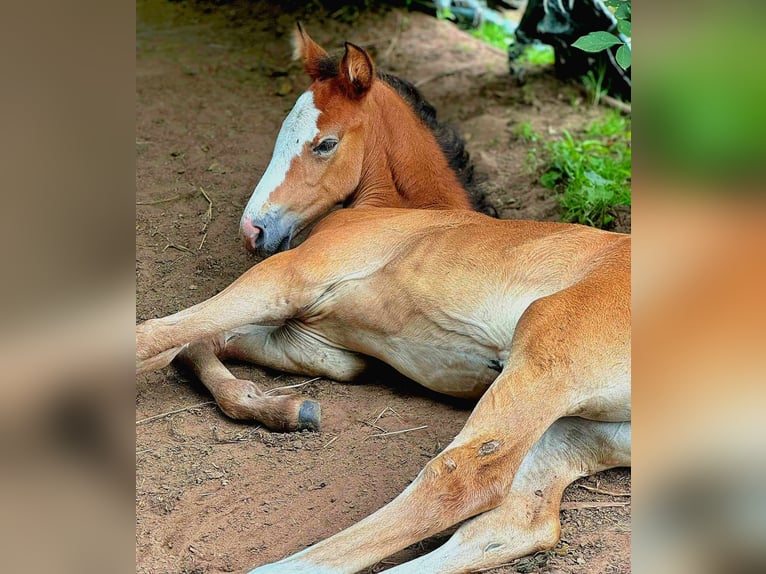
[67,154]
[67,289]
[699,269]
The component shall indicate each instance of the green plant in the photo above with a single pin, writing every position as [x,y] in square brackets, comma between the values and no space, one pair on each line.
[591,173]
[493,34]
[594,84]
[538,54]
[445,14]
[526,133]
[602,40]
[499,37]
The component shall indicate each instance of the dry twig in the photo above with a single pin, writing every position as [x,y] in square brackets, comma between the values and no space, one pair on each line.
[617,104]
[373,425]
[163,415]
[332,440]
[588,504]
[209,212]
[172,245]
[401,431]
[275,389]
[602,491]
[384,412]
[156,201]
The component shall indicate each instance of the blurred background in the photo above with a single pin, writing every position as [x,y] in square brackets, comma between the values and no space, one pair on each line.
[68,151]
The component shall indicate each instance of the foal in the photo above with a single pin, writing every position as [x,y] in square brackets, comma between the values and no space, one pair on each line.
[534,318]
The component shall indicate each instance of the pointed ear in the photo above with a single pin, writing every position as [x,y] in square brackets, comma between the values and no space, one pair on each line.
[357,70]
[312,54]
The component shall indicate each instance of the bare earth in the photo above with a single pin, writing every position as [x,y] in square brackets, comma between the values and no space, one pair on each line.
[213,495]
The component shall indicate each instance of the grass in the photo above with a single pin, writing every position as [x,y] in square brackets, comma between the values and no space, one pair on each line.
[497,36]
[594,84]
[538,55]
[493,35]
[591,172]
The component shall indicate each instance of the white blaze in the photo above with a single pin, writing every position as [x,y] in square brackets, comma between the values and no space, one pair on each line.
[299,127]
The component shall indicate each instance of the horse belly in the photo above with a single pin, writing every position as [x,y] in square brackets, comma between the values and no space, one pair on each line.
[463,373]
[442,354]
[458,371]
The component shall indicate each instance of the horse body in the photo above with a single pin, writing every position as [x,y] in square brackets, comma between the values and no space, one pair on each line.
[533,318]
[413,300]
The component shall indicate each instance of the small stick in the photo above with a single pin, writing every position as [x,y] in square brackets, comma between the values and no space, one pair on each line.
[373,425]
[163,415]
[275,389]
[384,412]
[332,440]
[155,202]
[579,505]
[617,104]
[602,491]
[493,567]
[201,243]
[174,246]
[397,415]
[401,431]
[377,418]
[209,205]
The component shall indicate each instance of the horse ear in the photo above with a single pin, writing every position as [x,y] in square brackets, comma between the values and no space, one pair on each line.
[357,70]
[312,54]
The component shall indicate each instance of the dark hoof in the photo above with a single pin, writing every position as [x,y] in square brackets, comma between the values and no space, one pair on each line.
[309,416]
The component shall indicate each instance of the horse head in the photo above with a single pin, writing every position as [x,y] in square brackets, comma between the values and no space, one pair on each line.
[318,156]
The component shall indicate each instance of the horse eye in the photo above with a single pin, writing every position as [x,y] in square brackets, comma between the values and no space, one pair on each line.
[325,147]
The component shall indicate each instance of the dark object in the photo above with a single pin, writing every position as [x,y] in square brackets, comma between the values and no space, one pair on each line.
[309,416]
[559,23]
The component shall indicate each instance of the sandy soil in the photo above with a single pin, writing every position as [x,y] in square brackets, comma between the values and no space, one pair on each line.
[213,86]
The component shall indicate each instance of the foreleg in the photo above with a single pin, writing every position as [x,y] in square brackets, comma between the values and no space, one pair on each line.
[270,293]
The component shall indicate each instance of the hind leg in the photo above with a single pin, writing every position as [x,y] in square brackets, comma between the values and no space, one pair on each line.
[528,520]
[471,476]
[286,348]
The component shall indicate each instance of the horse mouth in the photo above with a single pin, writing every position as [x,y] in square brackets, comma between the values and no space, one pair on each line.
[284,245]
[268,234]
[262,249]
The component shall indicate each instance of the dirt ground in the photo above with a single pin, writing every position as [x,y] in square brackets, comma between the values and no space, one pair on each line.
[213,85]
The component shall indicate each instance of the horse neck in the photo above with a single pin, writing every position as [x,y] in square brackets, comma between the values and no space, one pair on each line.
[404,166]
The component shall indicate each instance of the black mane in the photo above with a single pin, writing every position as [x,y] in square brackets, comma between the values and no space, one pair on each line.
[449,139]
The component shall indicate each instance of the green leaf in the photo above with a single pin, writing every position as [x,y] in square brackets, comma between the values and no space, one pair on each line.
[550,178]
[596,41]
[623,56]
[623,11]
[595,178]
[624,27]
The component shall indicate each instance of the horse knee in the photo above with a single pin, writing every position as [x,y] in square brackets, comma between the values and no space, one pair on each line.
[469,479]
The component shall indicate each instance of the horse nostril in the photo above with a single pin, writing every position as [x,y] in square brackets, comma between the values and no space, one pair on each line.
[251,235]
